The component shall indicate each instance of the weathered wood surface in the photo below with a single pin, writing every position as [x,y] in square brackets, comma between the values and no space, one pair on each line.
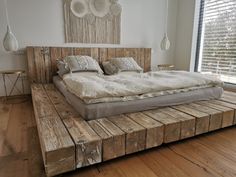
[202,119]
[113,138]
[228,113]
[42,60]
[155,129]
[69,142]
[58,149]
[187,122]
[171,125]
[215,115]
[135,133]
[226,104]
[88,143]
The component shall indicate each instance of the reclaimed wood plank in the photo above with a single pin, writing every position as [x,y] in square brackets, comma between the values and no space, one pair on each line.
[135,134]
[228,113]
[171,125]
[113,139]
[202,119]
[215,115]
[187,122]
[155,129]
[31,65]
[88,143]
[42,60]
[57,147]
[41,102]
[226,104]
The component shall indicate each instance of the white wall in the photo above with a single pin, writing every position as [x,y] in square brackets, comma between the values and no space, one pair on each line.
[40,23]
[184,34]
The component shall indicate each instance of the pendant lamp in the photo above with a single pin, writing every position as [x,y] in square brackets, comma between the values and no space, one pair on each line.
[165,43]
[10,42]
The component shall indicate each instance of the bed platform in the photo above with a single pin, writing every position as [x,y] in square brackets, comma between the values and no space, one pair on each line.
[68,142]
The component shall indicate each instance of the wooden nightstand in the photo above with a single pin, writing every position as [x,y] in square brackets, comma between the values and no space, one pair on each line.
[19,75]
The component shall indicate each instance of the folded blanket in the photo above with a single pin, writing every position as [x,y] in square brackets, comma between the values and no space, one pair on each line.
[100,88]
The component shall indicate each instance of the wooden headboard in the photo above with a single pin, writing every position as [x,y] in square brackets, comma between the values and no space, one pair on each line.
[42,60]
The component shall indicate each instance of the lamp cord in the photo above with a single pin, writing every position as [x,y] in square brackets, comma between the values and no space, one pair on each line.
[6,10]
[167,4]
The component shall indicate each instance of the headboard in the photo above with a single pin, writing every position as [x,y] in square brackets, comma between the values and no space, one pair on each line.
[42,60]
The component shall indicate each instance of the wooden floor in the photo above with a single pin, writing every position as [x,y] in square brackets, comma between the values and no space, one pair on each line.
[210,155]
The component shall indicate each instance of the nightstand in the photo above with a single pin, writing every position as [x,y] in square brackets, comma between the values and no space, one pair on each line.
[19,76]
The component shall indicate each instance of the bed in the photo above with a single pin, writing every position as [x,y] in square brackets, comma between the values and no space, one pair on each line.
[69,142]
[92,108]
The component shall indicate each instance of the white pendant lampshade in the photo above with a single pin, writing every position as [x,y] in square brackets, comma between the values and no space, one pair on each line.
[165,43]
[10,42]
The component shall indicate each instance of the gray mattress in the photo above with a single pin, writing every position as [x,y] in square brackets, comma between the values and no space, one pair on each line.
[98,110]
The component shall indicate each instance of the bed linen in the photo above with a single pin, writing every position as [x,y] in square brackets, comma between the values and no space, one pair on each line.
[101,88]
[98,110]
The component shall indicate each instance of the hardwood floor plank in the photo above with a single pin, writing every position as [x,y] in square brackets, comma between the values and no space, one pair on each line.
[203,156]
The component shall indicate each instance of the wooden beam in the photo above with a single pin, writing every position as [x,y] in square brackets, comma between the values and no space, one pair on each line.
[113,139]
[135,134]
[155,129]
[226,104]
[171,125]
[57,147]
[228,113]
[187,122]
[202,119]
[215,115]
[88,143]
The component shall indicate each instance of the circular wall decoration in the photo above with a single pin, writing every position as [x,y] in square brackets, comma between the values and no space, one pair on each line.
[79,8]
[116,9]
[99,8]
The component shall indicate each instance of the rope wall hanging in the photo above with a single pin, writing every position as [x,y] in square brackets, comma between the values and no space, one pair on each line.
[92,21]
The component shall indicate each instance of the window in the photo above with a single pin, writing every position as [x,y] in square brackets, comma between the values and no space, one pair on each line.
[216,44]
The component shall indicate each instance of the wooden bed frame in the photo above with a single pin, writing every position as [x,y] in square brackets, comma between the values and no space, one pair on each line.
[68,142]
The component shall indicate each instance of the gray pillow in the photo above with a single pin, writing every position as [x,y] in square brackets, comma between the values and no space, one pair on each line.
[82,63]
[62,68]
[109,68]
[126,64]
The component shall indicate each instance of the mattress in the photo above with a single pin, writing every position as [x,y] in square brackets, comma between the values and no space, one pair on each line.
[98,110]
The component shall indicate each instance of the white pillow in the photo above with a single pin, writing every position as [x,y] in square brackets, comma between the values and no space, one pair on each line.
[82,63]
[126,64]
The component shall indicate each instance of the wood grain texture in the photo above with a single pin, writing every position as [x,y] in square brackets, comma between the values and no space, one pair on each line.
[135,133]
[155,129]
[113,138]
[215,115]
[228,113]
[202,119]
[57,147]
[79,30]
[88,144]
[68,142]
[42,60]
[226,104]
[211,155]
[171,125]
[187,122]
